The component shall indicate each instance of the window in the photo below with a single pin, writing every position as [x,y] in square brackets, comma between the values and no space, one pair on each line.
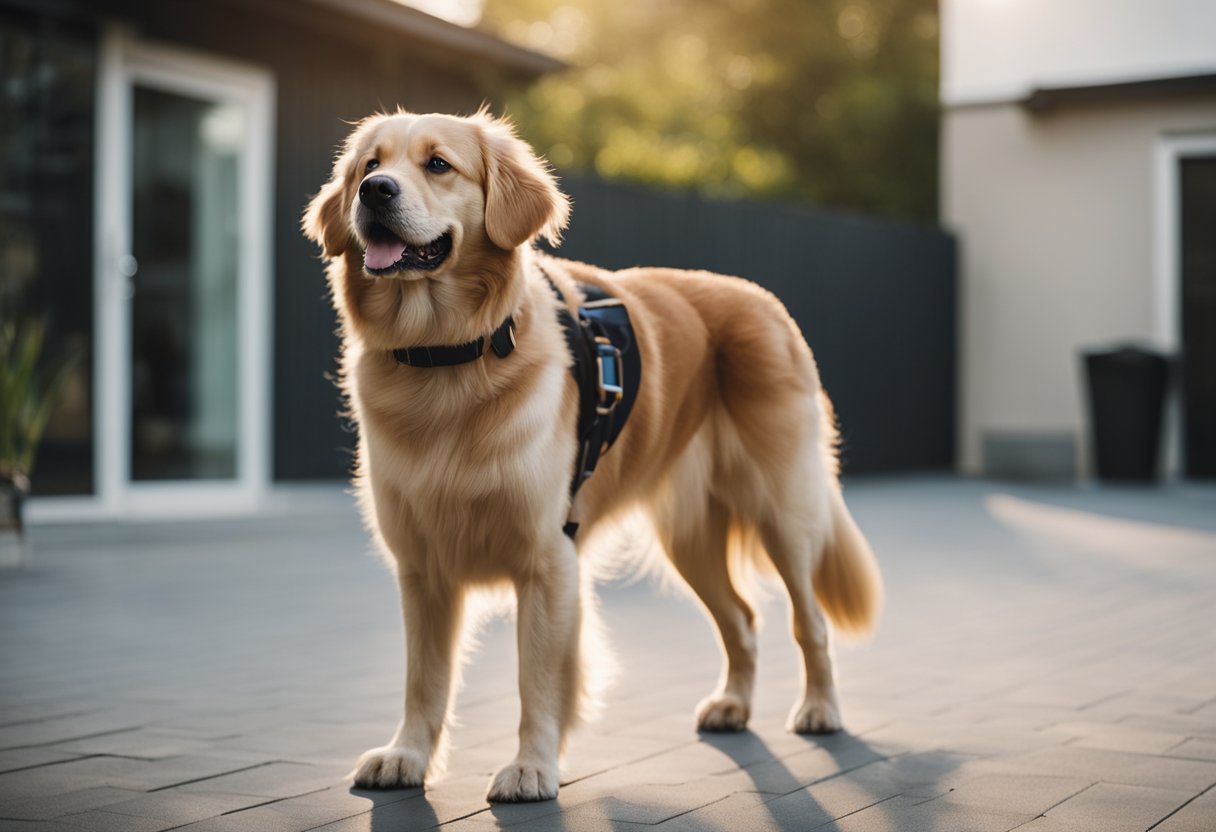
[47,88]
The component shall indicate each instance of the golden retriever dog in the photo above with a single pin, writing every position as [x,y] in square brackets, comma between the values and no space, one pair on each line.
[464,472]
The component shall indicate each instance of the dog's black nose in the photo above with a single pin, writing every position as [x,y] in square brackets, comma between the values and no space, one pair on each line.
[377,191]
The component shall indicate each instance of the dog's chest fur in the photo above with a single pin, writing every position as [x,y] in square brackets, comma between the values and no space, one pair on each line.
[469,458]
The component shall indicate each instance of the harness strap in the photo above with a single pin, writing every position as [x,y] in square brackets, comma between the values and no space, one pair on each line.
[607,368]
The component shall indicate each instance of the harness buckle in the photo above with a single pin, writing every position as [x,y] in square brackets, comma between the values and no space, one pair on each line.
[610,385]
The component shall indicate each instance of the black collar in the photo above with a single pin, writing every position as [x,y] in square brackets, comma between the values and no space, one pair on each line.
[502,341]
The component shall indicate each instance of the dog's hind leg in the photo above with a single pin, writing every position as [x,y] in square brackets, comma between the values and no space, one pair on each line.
[696,544]
[791,548]
[550,674]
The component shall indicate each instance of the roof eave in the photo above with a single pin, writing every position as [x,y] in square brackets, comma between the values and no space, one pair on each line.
[446,35]
[1041,99]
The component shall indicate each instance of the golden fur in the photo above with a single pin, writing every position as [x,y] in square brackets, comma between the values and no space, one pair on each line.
[463,471]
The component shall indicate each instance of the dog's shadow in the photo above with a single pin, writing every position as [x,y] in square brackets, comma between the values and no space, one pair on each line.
[397,810]
[771,776]
[409,809]
[776,783]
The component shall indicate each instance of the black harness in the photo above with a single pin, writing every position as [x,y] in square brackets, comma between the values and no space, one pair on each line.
[607,366]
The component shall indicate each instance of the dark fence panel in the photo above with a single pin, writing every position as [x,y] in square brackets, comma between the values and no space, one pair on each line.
[875,299]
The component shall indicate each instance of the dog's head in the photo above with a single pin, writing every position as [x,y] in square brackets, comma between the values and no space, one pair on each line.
[421,194]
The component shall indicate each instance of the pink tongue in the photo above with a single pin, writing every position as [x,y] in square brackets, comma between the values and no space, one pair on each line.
[381,254]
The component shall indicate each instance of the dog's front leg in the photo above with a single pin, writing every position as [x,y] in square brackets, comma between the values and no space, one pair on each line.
[432,628]
[549,674]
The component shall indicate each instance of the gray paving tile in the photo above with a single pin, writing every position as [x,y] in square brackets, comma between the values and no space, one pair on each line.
[418,813]
[1195,748]
[7,825]
[742,810]
[180,807]
[253,820]
[62,729]
[19,758]
[844,795]
[17,709]
[798,770]
[46,808]
[1017,793]
[523,816]
[1184,724]
[1115,767]
[924,775]
[552,823]
[296,818]
[588,823]
[646,805]
[991,741]
[1142,702]
[271,780]
[142,775]
[141,743]
[41,783]
[99,820]
[1117,808]
[451,799]
[678,765]
[1205,711]
[905,815]
[1116,737]
[804,809]
[1197,816]
[343,800]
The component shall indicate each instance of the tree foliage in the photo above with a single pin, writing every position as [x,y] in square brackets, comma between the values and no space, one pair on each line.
[831,101]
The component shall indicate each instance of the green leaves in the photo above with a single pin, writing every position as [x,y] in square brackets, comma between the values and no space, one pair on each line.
[831,101]
[26,398]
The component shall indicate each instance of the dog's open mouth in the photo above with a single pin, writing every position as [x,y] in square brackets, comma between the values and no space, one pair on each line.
[387,253]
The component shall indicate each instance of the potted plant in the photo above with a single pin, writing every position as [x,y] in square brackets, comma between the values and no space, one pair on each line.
[26,401]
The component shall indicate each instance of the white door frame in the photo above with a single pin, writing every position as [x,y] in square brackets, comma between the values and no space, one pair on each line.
[124,62]
[1167,266]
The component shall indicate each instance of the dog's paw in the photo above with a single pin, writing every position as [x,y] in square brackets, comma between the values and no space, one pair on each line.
[521,782]
[815,715]
[390,767]
[722,712]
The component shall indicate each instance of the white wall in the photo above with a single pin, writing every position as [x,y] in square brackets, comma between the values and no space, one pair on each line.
[999,50]
[1055,216]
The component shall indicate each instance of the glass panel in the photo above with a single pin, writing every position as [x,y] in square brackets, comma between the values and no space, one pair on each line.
[184,410]
[47,89]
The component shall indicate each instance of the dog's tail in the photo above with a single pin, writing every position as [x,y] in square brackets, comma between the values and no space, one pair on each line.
[847,582]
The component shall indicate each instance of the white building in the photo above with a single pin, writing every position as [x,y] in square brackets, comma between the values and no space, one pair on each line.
[1079,171]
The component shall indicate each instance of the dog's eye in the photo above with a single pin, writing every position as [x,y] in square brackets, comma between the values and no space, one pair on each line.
[437,165]
[372,164]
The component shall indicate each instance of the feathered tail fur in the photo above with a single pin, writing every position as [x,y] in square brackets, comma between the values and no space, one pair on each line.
[847,582]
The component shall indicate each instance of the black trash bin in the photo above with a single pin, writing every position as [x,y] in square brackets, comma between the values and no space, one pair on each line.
[1126,399]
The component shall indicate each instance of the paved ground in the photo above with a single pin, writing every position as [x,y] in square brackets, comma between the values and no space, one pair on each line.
[1047,662]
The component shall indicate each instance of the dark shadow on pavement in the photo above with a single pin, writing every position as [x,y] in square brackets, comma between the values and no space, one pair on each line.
[544,815]
[398,809]
[773,777]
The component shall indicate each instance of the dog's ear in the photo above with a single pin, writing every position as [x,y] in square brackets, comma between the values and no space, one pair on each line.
[522,197]
[327,217]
